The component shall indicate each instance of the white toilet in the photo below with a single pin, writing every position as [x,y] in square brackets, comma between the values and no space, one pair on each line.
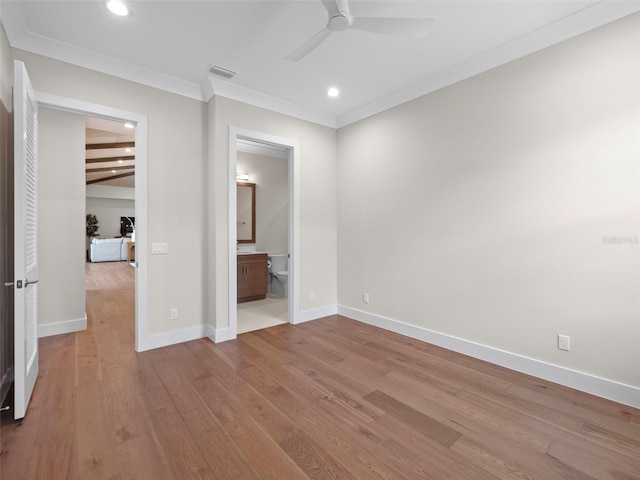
[279,274]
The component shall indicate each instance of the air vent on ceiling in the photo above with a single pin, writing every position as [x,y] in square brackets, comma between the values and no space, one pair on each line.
[221,72]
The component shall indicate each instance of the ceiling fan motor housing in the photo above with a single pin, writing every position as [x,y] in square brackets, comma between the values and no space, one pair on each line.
[340,22]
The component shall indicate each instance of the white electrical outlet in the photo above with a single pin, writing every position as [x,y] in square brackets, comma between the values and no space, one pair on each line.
[564,342]
[173,314]
[365,298]
[312,295]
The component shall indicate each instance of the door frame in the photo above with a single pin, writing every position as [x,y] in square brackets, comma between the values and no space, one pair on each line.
[141,271]
[293,147]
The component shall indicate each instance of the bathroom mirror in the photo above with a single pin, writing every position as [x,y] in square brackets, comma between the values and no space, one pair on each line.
[246,212]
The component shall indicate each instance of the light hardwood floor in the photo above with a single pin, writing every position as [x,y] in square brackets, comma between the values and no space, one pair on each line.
[327,399]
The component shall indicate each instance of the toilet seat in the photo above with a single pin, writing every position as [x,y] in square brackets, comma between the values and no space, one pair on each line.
[284,274]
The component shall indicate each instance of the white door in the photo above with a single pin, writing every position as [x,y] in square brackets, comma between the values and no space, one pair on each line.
[25,110]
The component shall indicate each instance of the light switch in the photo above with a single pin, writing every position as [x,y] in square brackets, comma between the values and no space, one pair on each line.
[159,248]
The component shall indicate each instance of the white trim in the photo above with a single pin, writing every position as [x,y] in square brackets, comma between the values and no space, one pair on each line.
[220,335]
[232,307]
[315,314]
[173,337]
[140,121]
[275,151]
[59,328]
[602,387]
[590,18]
[21,38]
[261,100]
[598,14]
[293,146]
[210,332]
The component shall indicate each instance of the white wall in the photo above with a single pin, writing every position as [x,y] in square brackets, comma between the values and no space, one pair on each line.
[270,174]
[318,209]
[479,211]
[108,211]
[176,181]
[61,233]
[108,204]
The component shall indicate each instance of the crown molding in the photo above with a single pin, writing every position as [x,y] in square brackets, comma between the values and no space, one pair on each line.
[257,99]
[20,38]
[589,18]
[570,26]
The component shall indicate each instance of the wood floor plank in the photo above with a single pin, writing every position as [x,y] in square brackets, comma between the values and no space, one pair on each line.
[138,458]
[95,453]
[347,440]
[55,459]
[17,459]
[425,425]
[127,415]
[591,459]
[506,467]
[224,456]
[264,453]
[312,458]
[177,445]
[298,342]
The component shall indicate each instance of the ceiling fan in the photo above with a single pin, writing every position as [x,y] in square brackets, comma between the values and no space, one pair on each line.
[341,19]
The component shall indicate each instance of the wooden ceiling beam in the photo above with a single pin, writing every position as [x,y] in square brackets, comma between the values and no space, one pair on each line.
[108,169]
[102,146]
[110,159]
[112,177]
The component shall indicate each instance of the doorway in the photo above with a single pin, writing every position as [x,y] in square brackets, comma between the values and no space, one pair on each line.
[262,227]
[109,162]
[274,308]
[86,109]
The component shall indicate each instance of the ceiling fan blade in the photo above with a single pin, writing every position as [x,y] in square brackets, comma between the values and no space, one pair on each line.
[399,27]
[310,45]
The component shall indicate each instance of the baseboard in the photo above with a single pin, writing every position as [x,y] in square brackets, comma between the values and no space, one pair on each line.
[602,387]
[314,314]
[224,334]
[59,328]
[171,338]
[219,335]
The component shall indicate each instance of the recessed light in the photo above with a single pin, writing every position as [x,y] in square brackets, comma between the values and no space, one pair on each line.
[113,171]
[120,161]
[128,150]
[128,125]
[118,8]
[333,92]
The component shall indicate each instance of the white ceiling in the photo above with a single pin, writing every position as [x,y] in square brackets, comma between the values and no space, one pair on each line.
[171,45]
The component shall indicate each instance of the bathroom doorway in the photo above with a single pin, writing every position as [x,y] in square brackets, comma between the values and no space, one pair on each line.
[262,231]
[262,223]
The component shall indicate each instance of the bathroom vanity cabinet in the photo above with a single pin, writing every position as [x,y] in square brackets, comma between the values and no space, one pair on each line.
[252,277]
